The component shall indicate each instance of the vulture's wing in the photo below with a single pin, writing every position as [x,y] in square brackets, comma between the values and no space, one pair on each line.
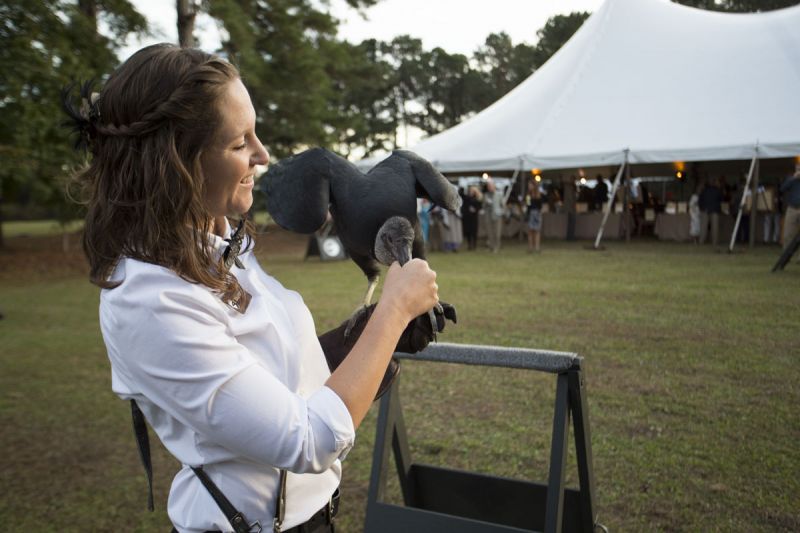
[432,183]
[298,188]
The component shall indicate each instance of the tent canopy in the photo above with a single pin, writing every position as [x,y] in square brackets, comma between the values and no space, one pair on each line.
[652,79]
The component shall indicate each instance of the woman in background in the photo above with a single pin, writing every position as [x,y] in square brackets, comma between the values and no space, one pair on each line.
[694,216]
[470,208]
[534,216]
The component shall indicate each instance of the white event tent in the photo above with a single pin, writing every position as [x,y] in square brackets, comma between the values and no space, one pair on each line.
[647,80]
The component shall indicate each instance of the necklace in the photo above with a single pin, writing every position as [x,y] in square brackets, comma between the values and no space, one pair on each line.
[230,255]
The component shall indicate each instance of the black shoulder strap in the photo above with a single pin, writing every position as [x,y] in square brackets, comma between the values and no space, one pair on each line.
[143,442]
[236,518]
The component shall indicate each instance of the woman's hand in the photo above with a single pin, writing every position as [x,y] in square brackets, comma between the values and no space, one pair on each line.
[411,289]
[408,291]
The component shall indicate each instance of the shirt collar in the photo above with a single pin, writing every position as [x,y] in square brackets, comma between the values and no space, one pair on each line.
[218,243]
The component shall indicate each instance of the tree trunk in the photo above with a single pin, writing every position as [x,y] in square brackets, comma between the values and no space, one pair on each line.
[89,8]
[187,10]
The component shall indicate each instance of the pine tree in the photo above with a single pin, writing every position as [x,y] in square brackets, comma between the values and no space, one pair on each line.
[44,45]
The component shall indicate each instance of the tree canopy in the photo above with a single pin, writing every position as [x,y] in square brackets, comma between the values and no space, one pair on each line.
[309,86]
[43,46]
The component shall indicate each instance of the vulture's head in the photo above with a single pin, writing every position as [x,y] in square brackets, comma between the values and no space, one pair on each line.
[393,241]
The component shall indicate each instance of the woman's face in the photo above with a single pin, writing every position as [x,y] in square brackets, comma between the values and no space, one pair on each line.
[229,164]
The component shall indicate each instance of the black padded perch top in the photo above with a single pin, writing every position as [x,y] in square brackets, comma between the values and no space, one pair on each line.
[469,354]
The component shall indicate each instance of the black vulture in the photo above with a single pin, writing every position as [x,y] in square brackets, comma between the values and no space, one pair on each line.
[375,214]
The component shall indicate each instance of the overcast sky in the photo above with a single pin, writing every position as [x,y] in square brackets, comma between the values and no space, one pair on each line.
[454,25]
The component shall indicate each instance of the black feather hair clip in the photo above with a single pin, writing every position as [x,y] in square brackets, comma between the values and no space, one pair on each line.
[83,118]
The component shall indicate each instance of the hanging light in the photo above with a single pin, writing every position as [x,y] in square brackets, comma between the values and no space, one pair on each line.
[538,178]
[679,175]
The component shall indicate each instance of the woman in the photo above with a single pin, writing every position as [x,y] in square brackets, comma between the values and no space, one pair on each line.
[534,216]
[694,215]
[222,360]
[470,207]
[494,207]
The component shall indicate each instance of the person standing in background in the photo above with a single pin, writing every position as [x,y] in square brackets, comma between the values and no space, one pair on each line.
[570,195]
[600,194]
[694,216]
[494,209]
[470,207]
[791,197]
[423,212]
[534,216]
[710,208]
[742,192]
[772,216]
[451,231]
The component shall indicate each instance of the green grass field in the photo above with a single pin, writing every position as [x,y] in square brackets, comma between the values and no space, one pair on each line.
[692,370]
[38,228]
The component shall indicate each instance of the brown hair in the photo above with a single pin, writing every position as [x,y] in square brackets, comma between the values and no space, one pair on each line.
[144,186]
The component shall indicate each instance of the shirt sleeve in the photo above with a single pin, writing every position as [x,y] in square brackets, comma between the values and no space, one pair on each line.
[170,341]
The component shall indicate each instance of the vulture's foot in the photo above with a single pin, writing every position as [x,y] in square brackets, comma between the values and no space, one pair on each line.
[432,316]
[422,330]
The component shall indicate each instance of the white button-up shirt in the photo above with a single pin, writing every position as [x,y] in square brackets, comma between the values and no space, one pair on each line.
[241,394]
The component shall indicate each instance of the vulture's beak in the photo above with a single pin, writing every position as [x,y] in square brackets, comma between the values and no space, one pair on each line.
[402,253]
[399,250]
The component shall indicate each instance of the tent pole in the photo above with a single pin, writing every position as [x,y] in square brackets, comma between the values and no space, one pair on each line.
[607,208]
[741,202]
[626,214]
[511,188]
[754,204]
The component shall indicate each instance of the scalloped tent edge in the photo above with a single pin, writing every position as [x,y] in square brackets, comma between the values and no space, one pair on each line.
[656,81]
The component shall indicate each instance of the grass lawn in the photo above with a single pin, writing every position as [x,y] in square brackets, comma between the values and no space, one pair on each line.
[693,371]
[38,228]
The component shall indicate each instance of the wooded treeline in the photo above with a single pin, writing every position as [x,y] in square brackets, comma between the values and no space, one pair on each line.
[308,85]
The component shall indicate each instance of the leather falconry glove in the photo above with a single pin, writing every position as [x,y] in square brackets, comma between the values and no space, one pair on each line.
[417,335]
